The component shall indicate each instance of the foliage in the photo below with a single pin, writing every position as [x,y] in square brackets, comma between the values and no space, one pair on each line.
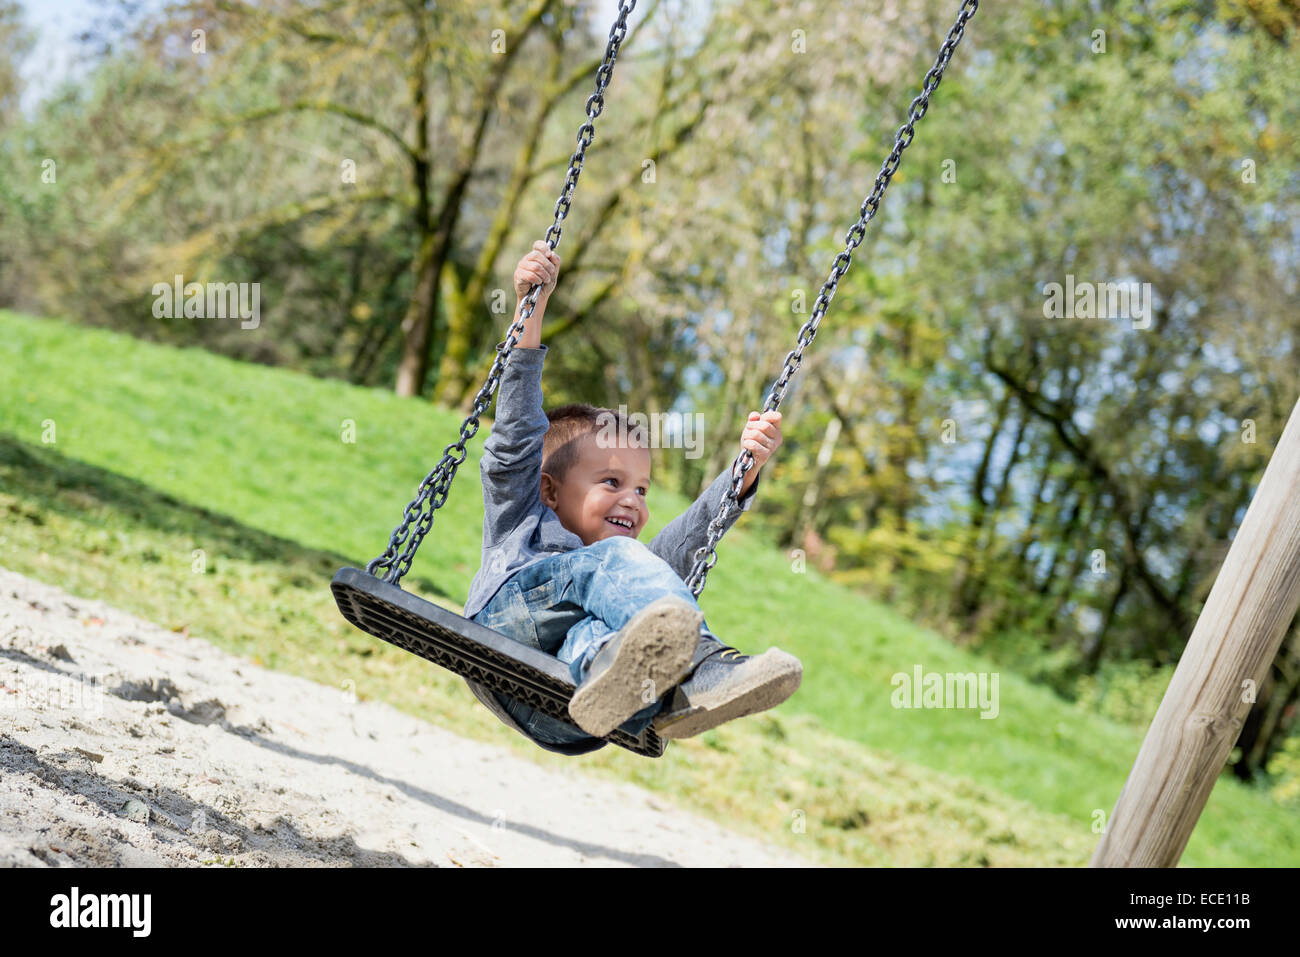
[1285,769]
[1058,493]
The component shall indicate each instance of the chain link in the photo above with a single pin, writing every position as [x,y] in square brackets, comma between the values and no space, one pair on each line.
[396,560]
[706,556]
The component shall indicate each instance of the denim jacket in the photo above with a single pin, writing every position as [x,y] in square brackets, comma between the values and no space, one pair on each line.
[519,529]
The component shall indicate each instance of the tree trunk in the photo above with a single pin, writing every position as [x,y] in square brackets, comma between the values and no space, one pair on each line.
[963,601]
[1092,648]
[1258,734]
[418,324]
[438,228]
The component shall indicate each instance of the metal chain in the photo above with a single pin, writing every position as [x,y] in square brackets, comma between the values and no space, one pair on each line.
[706,556]
[432,492]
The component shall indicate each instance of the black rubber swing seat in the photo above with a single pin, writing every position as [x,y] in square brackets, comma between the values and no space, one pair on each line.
[468,649]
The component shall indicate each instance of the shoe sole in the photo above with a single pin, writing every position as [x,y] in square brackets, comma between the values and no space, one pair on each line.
[658,644]
[770,679]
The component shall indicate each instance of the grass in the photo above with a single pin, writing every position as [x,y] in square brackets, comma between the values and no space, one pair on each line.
[158,452]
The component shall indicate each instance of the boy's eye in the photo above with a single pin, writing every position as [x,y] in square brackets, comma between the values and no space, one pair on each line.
[639,488]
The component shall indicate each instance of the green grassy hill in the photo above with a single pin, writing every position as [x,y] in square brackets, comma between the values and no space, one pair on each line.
[158,452]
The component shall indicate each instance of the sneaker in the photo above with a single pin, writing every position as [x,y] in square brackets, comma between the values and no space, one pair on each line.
[726,685]
[658,645]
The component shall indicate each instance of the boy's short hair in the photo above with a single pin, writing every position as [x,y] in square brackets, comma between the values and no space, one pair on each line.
[569,423]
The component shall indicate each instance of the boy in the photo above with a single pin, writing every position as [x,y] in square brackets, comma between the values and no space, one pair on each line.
[563,570]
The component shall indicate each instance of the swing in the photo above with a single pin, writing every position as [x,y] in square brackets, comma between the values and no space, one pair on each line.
[372,599]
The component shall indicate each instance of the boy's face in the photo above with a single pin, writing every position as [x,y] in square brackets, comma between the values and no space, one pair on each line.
[603,486]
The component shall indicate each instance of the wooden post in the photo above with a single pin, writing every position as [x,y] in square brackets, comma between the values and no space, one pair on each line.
[1235,640]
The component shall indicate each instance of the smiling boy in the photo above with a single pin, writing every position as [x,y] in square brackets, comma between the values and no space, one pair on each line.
[564,572]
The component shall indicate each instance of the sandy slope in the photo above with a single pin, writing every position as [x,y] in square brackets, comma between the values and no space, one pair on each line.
[105,719]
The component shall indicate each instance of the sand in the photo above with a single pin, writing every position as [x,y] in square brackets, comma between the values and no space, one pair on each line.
[124,744]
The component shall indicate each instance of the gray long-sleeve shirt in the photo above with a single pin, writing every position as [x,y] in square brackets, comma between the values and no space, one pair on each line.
[518,528]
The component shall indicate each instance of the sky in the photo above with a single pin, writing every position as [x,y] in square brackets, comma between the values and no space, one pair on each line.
[56,24]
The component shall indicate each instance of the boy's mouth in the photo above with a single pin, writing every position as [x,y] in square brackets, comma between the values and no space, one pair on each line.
[623,524]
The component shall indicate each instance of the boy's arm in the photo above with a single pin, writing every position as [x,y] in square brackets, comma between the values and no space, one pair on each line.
[511,466]
[678,541]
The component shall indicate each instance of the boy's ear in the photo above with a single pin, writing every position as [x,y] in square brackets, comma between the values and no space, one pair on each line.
[548,490]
